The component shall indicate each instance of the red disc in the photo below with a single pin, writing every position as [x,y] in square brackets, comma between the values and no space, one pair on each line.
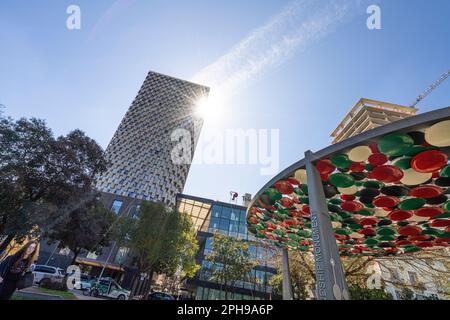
[387,173]
[368,230]
[399,215]
[425,244]
[439,223]
[409,230]
[293,181]
[357,167]
[352,206]
[374,148]
[340,237]
[295,213]
[385,201]
[429,161]
[377,159]
[418,238]
[348,197]
[402,242]
[426,191]
[305,209]
[325,166]
[368,221]
[284,187]
[286,202]
[253,220]
[270,225]
[429,211]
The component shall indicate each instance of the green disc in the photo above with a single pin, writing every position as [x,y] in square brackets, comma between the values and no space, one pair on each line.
[386,238]
[403,163]
[411,204]
[371,242]
[411,248]
[341,161]
[447,205]
[386,231]
[418,149]
[304,188]
[304,200]
[373,184]
[342,231]
[335,201]
[395,144]
[366,212]
[345,214]
[273,194]
[445,172]
[342,180]
[355,226]
[304,233]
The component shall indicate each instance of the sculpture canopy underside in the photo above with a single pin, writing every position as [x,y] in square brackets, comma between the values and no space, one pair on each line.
[388,195]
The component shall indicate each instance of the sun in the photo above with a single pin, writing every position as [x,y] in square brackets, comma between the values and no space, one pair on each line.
[202,107]
[210,108]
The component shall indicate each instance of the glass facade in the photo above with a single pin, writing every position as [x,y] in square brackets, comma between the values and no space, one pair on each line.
[230,220]
[116,205]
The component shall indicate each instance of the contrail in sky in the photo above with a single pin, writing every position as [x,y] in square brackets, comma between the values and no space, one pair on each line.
[296,26]
[114,10]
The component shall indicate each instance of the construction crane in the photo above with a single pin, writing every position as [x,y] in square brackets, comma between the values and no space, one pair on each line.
[433,86]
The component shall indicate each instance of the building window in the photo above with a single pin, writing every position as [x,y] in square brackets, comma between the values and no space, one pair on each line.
[116,205]
[92,255]
[64,251]
[121,255]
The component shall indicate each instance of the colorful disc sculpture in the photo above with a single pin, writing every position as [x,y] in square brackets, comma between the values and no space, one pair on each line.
[385,197]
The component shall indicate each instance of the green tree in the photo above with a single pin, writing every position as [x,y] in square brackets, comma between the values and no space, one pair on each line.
[364,293]
[42,178]
[163,241]
[231,261]
[88,227]
[406,294]
[302,280]
[302,273]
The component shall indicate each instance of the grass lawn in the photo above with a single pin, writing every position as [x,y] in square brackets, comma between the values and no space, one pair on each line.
[16,297]
[63,294]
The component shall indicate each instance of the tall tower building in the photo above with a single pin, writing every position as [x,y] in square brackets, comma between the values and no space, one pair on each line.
[140,152]
[368,114]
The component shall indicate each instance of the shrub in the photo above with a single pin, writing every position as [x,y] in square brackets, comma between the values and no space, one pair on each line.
[48,283]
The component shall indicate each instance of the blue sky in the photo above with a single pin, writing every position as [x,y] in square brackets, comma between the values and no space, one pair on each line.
[87,78]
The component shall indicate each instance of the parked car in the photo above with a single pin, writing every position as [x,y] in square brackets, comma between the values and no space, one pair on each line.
[43,271]
[106,287]
[85,282]
[160,296]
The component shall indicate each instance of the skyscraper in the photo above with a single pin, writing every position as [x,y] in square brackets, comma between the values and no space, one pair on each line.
[367,114]
[140,152]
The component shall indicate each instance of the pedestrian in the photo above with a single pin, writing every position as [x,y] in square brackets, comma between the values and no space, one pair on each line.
[14,267]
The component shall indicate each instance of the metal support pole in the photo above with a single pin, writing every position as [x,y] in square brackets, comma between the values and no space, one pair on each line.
[330,277]
[287,286]
[106,262]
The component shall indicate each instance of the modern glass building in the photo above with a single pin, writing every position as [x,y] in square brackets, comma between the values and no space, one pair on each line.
[160,125]
[228,219]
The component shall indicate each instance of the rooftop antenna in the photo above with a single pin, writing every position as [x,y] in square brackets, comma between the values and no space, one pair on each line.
[433,86]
